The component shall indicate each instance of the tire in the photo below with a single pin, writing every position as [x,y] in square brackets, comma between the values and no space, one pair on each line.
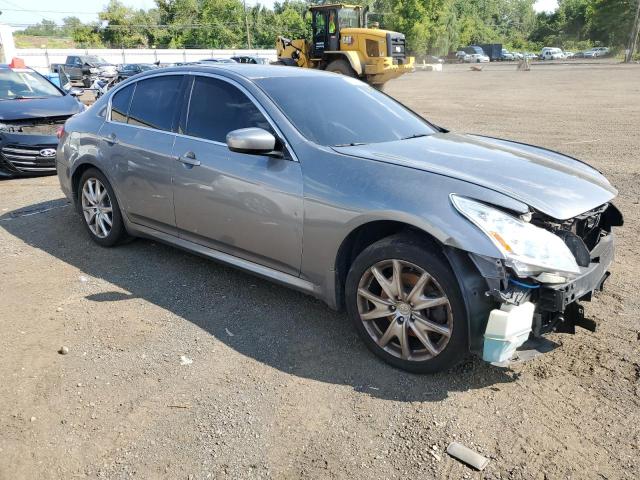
[342,67]
[98,210]
[442,323]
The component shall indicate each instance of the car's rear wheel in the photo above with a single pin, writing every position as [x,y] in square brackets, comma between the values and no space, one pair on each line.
[100,209]
[406,305]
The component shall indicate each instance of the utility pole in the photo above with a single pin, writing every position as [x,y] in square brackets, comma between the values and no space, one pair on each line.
[634,35]
[246,22]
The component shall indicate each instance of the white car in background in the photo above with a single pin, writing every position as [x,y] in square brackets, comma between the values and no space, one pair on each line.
[550,53]
[596,52]
[568,54]
[476,58]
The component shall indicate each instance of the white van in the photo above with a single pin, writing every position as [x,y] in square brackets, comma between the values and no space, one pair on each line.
[551,53]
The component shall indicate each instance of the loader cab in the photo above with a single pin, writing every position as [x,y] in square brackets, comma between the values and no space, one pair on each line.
[326,23]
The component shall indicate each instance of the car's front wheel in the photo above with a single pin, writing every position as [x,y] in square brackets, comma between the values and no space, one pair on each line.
[406,305]
[100,209]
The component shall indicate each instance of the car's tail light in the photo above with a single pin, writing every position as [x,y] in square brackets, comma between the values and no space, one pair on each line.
[60,132]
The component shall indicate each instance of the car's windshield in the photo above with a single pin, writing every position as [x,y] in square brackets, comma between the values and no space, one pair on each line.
[18,84]
[337,110]
[94,60]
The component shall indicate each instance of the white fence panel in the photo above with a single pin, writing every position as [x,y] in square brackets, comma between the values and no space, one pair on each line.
[41,58]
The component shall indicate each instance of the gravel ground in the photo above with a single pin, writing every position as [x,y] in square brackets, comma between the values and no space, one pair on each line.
[181,368]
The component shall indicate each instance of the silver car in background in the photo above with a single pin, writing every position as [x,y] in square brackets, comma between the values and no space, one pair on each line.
[436,243]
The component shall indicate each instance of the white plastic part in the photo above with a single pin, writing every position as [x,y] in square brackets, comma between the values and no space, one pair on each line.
[468,456]
[507,329]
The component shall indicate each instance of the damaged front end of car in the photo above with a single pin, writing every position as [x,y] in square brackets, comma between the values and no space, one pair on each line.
[547,268]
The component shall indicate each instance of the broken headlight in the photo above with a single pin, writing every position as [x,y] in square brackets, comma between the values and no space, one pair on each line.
[527,249]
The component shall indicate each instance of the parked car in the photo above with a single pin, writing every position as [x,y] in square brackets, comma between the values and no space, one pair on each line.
[474,50]
[568,54]
[251,59]
[492,50]
[86,69]
[460,54]
[507,56]
[476,58]
[127,70]
[432,59]
[596,52]
[429,238]
[217,60]
[531,56]
[31,110]
[550,53]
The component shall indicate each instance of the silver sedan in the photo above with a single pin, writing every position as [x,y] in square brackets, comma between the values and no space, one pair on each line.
[435,243]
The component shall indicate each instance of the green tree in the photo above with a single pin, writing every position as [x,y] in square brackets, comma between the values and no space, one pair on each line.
[610,22]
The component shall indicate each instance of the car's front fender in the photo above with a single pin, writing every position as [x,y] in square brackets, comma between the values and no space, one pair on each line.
[365,191]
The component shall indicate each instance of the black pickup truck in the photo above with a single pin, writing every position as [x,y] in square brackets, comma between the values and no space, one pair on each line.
[85,69]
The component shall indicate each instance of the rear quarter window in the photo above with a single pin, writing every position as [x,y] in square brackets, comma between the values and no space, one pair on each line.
[120,104]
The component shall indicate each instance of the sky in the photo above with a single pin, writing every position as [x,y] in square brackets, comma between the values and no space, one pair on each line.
[27,12]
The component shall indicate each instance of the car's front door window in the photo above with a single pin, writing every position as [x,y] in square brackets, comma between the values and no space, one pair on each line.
[231,110]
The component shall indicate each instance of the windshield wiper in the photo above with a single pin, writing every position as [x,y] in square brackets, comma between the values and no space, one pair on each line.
[415,135]
[352,144]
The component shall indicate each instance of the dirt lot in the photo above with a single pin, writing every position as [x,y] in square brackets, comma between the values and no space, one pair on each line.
[280,386]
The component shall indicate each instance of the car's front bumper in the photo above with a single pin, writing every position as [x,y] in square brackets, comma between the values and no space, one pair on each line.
[23,154]
[557,306]
[558,303]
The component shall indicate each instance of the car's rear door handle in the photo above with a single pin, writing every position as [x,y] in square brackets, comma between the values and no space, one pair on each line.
[111,139]
[189,158]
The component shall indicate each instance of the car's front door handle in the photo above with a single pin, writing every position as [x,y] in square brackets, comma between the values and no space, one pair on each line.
[189,158]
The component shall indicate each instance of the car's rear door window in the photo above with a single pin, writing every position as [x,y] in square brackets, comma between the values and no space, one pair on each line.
[217,108]
[120,104]
[155,102]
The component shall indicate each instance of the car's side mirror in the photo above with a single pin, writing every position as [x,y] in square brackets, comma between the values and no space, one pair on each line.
[76,92]
[253,141]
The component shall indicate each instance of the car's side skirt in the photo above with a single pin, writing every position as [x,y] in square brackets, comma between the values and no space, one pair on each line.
[260,270]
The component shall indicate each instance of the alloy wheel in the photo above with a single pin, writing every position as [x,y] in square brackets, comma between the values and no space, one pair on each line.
[404,310]
[97,208]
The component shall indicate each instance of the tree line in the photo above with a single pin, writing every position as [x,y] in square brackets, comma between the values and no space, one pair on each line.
[431,26]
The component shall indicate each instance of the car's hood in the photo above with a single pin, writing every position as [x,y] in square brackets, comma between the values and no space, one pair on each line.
[552,183]
[29,108]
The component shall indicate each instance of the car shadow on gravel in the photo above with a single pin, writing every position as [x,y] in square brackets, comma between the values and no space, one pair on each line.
[270,323]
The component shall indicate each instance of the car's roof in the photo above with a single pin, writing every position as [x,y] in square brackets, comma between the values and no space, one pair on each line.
[246,70]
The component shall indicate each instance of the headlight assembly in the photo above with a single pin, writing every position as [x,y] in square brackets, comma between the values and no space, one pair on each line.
[527,249]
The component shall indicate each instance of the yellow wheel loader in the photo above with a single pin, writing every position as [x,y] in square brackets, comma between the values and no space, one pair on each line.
[342,42]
